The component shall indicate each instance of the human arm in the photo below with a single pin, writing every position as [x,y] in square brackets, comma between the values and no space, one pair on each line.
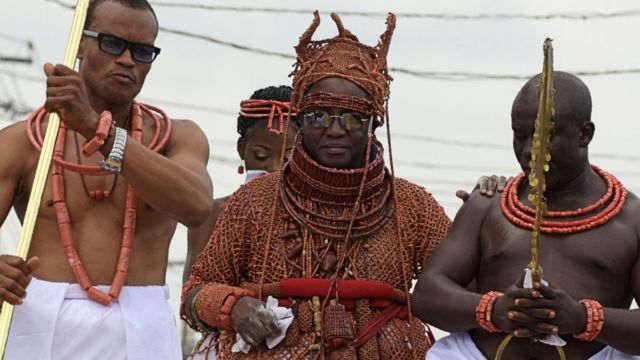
[216,273]
[18,156]
[441,296]
[176,184]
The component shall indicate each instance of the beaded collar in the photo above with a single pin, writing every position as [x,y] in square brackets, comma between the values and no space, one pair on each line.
[306,177]
[307,185]
[589,217]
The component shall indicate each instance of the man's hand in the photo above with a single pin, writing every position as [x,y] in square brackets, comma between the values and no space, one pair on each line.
[512,315]
[15,276]
[487,185]
[253,321]
[67,95]
[570,316]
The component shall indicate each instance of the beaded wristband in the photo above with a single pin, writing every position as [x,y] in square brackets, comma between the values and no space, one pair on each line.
[214,304]
[484,309]
[194,314]
[113,162]
[229,302]
[104,126]
[595,320]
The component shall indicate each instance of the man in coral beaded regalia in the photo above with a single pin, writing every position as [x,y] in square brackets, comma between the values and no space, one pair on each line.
[590,253]
[333,241]
[122,177]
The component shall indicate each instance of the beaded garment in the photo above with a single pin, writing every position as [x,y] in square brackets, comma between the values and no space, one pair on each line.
[360,233]
[239,250]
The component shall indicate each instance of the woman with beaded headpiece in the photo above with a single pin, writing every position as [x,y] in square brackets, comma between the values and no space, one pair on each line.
[333,240]
[261,127]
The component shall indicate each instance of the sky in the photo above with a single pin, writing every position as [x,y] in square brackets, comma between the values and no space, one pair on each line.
[200,73]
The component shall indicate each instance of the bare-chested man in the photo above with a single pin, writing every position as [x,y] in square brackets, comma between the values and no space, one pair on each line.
[82,311]
[489,242]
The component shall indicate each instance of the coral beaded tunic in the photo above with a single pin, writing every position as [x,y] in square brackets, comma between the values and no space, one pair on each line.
[301,244]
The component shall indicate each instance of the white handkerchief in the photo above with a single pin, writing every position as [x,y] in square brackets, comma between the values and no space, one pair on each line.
[285,318]
[252,174]
[553,340]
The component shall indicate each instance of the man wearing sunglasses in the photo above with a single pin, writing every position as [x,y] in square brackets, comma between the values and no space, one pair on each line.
[123,176]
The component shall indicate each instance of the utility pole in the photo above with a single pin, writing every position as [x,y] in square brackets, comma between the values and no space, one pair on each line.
[16,59]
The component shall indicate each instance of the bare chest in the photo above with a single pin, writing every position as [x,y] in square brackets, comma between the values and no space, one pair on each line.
[580,263]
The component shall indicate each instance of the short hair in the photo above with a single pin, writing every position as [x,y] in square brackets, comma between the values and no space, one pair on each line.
[572,96]
[134,4]
[278,93]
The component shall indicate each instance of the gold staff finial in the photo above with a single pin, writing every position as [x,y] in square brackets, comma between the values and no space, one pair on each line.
[42,170]
[539,164]
[541,155]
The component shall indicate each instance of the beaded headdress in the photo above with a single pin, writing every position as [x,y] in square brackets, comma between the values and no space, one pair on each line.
[343,56]
[269,109]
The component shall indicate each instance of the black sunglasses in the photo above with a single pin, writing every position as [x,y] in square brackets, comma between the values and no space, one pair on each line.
[321,119]
[114,45]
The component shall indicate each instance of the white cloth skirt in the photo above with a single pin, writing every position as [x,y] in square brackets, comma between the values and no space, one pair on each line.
[459,346]
[57,321]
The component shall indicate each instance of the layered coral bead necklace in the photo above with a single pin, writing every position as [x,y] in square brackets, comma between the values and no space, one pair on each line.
[522,215]
[62,213]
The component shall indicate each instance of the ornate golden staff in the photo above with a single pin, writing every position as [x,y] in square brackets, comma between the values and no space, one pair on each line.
[42,170]
[539,164]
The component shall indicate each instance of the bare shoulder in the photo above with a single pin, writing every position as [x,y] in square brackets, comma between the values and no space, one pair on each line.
[15,147]
[15,133]
[187,137]
[185,125]
[631,211]
[188,129]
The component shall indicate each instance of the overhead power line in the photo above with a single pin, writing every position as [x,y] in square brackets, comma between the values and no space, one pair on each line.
[16,39]
[63,4]
[14,109]
[413,15]
[21,76]
[16,59]
[188,106]
[226,43]
[471,76]
[487,145]
[433,75]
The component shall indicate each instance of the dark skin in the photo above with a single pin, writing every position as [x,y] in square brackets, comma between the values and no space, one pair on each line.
[105,82]
[260,149]
[602,263]
[335,146]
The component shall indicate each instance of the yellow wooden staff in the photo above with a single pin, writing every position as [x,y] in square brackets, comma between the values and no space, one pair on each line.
[42,170]
[539,164]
